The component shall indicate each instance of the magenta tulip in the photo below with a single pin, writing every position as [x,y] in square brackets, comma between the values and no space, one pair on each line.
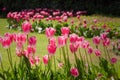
[51,49]
[32,41]
[6,42]
[65,31]
[90,50]
[113,60]
[45,59]
[73,47]
[26,27]
[74,72]
[50,32]
[106,42]
[73,38]
[97,52]
[96,40]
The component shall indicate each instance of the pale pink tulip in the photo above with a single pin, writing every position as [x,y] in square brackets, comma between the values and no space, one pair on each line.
[37,60]
[74,72]
[62,41]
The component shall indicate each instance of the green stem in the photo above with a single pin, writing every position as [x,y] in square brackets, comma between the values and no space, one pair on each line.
[86,57]
[64,55]
[105,53]
[60,53]
[54,64]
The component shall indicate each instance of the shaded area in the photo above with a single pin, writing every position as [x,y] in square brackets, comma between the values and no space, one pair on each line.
[105,7]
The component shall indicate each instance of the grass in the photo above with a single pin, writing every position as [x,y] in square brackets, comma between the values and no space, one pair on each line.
[42,40]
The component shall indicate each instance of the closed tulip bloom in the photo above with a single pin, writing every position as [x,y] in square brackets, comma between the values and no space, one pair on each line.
[31,50]
[73,47]
[90,50]
[50,32]
[74,72]
[6,42]
[31,60]
[45,59]
[37,60]
[73,38]
[96,40]
[19,52]
[113,60]
[26,27]
[20,38]
[9,35]
[32,41]
[62,41]
[65,31]
[97,52]
[103,36]
[51,49]
[85,44]
[106,42]
[52,41]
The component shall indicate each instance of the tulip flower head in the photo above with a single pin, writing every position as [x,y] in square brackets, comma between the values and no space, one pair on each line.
[45,59]
[113,60]
[62,41]
[97,52]
[96,40]
[32,41]
[74,72]
[65,31]
[26,27]
[50,32]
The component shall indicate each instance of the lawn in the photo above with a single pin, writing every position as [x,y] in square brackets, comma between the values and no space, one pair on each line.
[42,40]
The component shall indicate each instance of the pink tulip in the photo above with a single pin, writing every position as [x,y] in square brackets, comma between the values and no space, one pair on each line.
[26,27]
[106,42]
[90,50]
[96,40]
[62,41]
[50,32]
[84,21]
[19,52]
[73,38]
[32,41]
[37,60]
[65,31]
[6,42]
[9,35]
[103,36]
[85,44]
[52,41]
[74,72]
[32,60]
[65,18]
[20,38]
[51,49]
[95,20]
[97,52]
[25,53]
[31,50]
[113,60]
[73,47]
[60,65]
[45,59]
